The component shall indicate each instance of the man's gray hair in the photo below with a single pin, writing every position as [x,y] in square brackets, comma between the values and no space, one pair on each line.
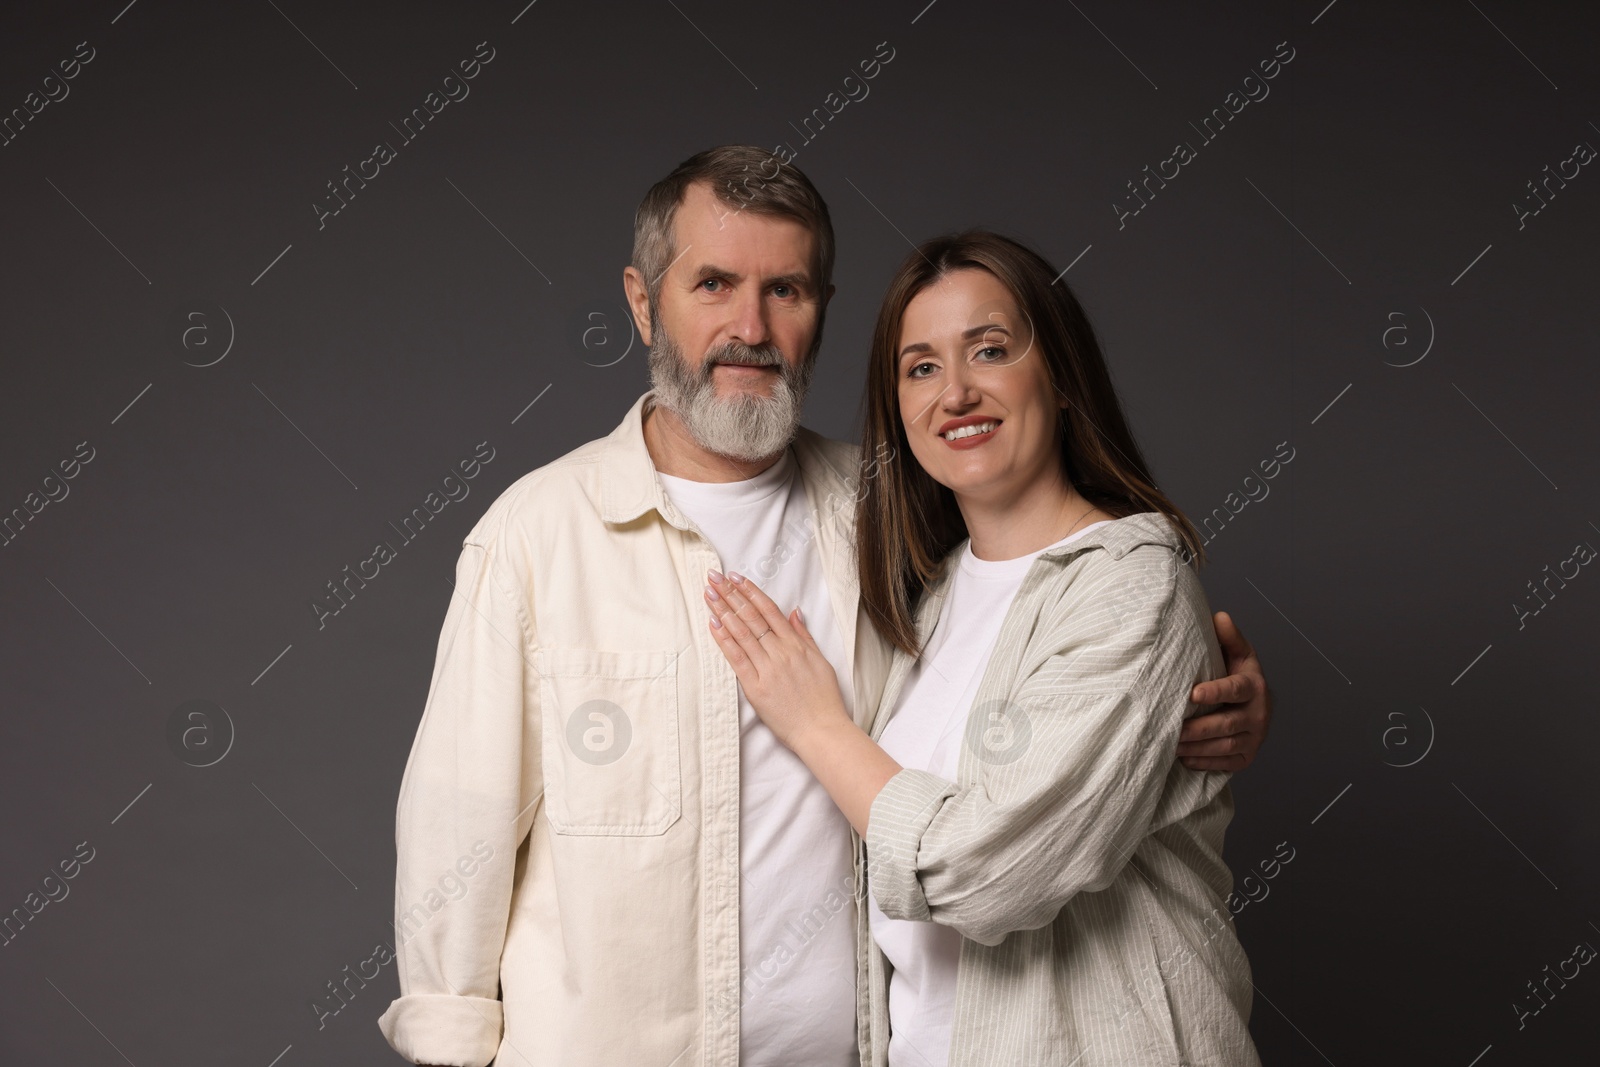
[746,178]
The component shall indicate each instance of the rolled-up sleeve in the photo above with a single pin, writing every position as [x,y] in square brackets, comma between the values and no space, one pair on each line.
[1090,731]
[465,805]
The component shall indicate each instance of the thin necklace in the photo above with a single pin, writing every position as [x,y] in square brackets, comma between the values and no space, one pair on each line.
[1074,526]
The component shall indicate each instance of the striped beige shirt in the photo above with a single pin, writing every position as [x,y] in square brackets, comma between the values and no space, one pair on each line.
[1081,864]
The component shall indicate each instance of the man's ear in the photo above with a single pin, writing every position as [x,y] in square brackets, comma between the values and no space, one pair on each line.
[826,297]
[638,301]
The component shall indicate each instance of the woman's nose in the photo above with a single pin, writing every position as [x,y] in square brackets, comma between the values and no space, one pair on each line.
[960,391]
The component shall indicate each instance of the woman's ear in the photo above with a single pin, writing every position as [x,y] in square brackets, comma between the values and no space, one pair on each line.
[1061,395]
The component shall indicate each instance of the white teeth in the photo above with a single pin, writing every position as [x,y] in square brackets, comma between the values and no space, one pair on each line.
[968,431]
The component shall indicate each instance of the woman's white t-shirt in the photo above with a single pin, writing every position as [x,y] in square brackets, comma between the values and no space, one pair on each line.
[925,733]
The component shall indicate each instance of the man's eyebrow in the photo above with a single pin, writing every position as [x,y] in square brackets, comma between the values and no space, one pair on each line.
[795,279]
[711,270]
[966,335]
[798,279]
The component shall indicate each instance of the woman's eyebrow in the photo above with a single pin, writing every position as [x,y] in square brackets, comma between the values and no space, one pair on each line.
[979,331]
[966,335]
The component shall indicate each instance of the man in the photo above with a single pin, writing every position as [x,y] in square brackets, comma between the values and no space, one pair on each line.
[603,857]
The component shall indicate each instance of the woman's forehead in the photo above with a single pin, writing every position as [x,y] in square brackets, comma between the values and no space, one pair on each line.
[955,303]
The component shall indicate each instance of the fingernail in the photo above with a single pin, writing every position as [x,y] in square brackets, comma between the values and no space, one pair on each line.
[712,593]
[799,614]
[716,622]
[715,575]
[736,576]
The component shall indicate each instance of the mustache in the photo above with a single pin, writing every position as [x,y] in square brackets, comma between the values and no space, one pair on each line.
[741,354]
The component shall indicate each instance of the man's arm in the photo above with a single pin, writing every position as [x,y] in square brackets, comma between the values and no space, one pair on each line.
[464,808]
[1229,738]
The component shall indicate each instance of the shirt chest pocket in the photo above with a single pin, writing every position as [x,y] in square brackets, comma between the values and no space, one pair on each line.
[609,723]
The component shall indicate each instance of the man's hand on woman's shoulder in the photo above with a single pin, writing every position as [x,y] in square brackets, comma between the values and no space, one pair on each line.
[1229,738]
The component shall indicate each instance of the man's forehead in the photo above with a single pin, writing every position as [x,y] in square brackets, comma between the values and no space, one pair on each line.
[708,230]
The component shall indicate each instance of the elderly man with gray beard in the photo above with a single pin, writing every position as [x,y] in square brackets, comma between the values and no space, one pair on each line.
[669,884]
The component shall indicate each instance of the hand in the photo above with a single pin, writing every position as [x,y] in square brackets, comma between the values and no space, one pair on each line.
[784,674]
[1229,738]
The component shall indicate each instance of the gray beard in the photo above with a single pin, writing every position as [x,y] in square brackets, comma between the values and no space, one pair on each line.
[742,427]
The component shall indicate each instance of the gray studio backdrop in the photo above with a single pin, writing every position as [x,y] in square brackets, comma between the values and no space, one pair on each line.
[231,368]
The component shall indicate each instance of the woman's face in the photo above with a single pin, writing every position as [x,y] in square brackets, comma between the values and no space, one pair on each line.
[975,395]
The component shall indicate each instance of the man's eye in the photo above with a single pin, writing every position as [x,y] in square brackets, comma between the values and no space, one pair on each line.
[710,284]
[783,292]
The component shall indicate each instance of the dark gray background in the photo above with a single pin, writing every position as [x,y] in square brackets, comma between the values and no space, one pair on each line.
[1377,580]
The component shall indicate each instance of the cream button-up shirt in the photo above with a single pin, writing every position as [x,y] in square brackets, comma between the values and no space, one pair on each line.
[567,833]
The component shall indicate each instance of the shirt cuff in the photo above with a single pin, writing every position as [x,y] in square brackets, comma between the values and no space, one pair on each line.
[898,818]
[439,1028]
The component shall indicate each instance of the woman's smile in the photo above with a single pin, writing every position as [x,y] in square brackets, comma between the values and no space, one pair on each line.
[969,432]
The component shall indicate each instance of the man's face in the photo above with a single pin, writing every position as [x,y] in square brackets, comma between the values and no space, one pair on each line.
[733,333]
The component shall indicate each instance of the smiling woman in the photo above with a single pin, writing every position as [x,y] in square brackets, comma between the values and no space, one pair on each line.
[1027,842]
[1004,393]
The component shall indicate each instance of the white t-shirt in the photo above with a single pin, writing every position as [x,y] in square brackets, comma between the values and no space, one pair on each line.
[926,732]
[796,894]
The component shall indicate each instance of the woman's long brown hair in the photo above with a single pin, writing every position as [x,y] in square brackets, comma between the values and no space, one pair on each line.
[907,523]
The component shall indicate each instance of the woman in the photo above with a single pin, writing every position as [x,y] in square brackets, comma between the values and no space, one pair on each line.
[1046,885]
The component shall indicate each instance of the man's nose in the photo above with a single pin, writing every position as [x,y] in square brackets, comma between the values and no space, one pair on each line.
[750,318]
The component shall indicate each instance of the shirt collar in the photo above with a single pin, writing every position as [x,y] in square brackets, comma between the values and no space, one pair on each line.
[1118,537]
[630,485]
[1121,536]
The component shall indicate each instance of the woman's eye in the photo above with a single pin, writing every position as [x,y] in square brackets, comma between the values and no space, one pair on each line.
[998,352]
[916,368]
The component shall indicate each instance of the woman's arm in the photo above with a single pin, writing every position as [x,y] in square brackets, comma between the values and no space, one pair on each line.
[851,766]
[1074,763]
[796,692]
